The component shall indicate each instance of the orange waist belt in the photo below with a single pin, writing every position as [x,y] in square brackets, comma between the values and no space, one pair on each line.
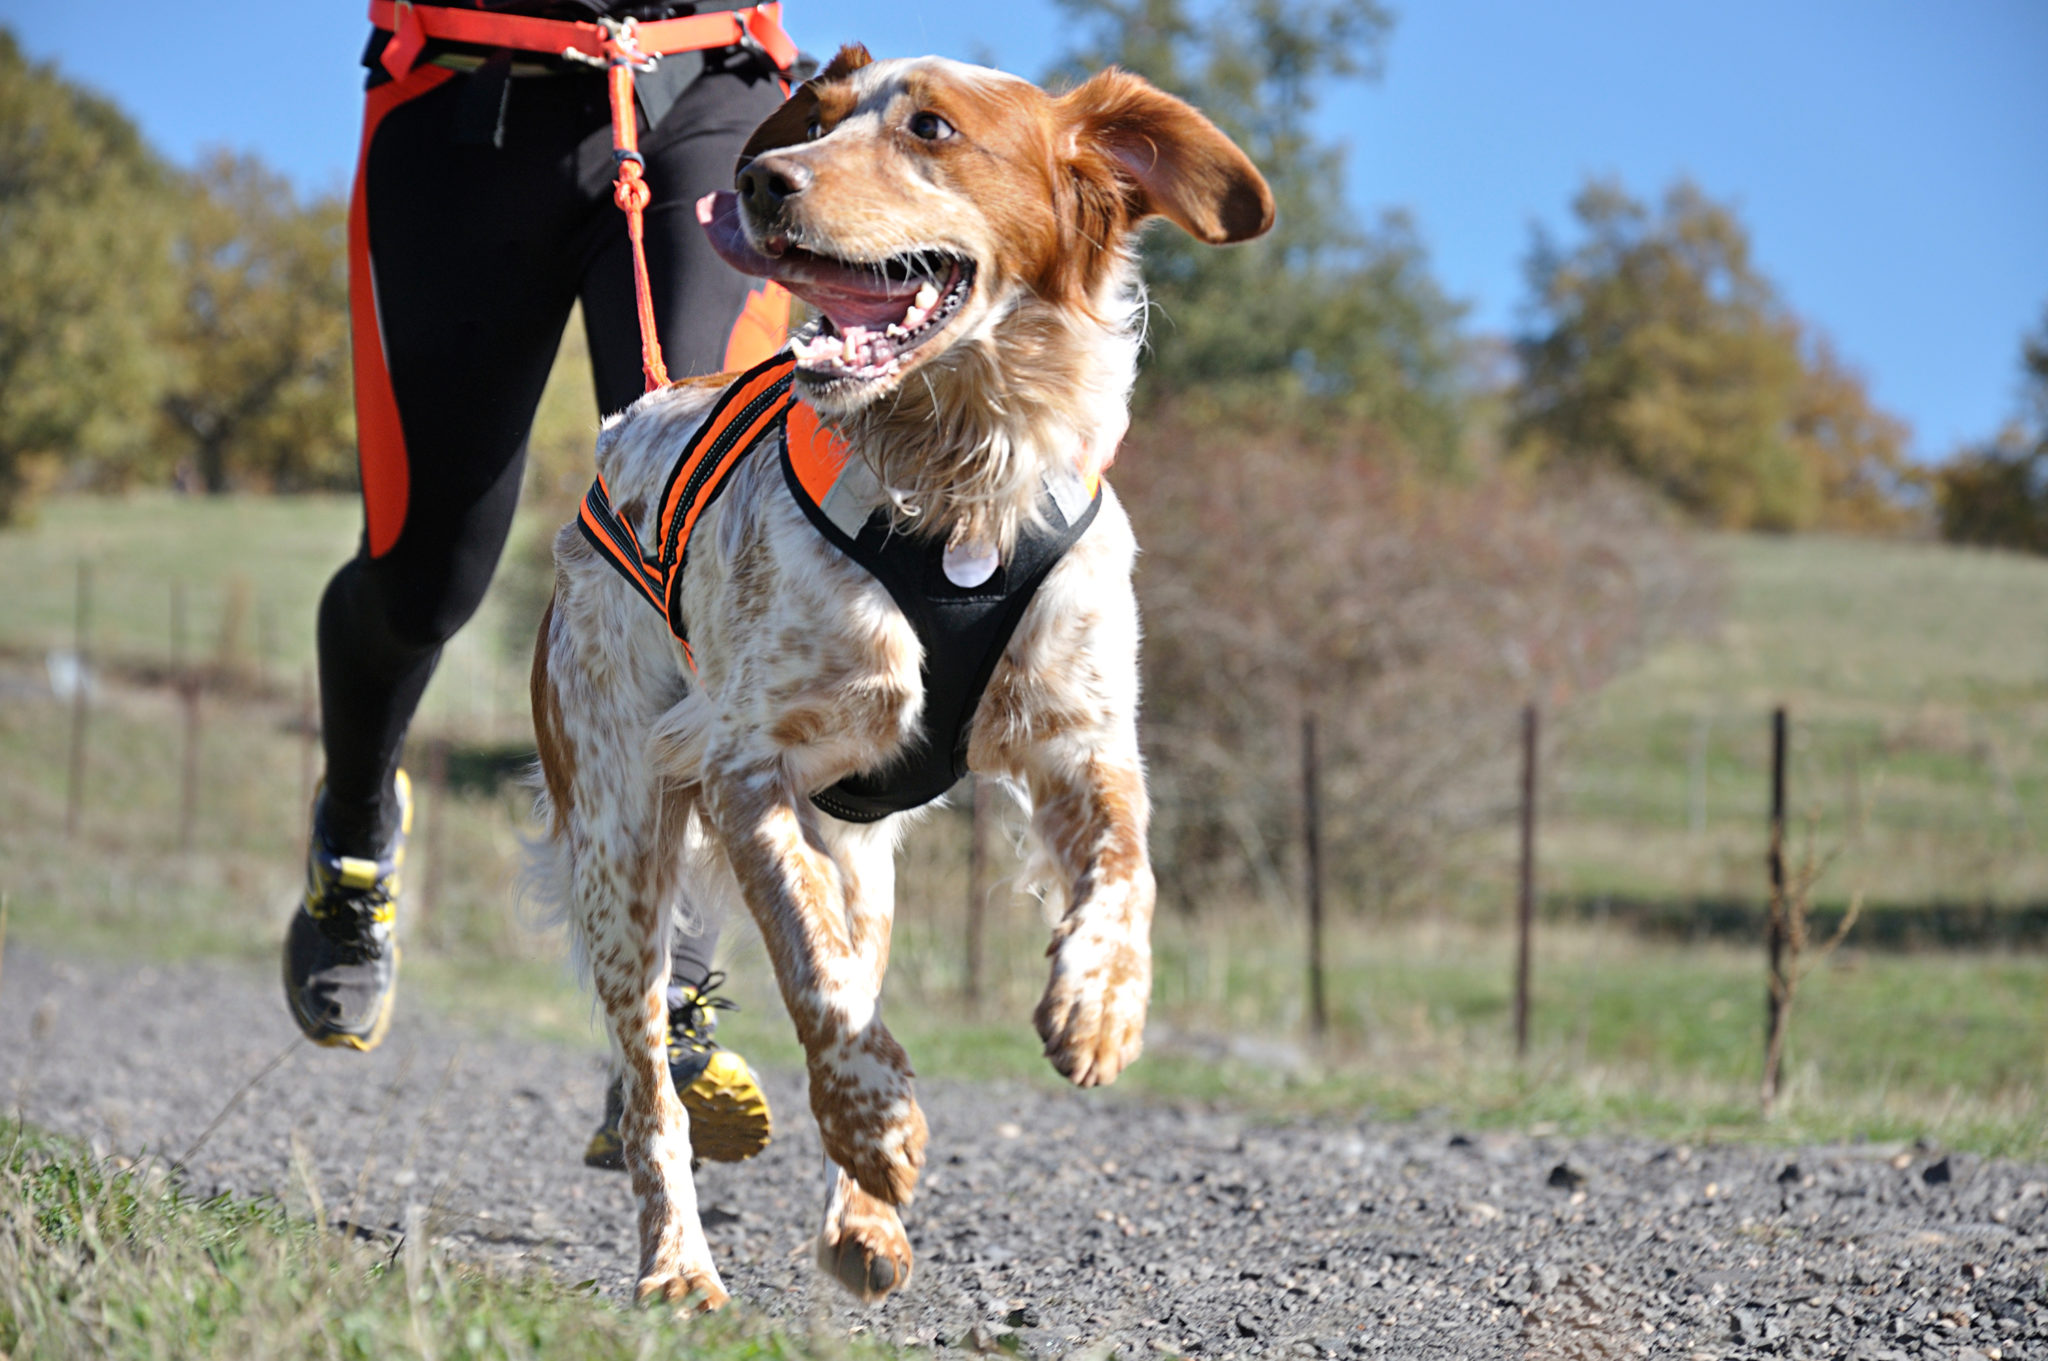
[620,47]
[412,26]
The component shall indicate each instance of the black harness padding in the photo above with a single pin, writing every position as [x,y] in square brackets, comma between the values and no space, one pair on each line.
[963,630]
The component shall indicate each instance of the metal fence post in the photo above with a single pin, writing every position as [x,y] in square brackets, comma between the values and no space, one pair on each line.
[983,815]
[1525,896]
[1312,857]
[74,791]
[1775,994]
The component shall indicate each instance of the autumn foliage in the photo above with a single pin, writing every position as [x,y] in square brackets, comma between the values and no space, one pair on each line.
[155,323]
[1657,349]
[1996,495]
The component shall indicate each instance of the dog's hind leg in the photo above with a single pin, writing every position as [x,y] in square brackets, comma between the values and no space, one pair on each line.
[621,827]
[862,1244]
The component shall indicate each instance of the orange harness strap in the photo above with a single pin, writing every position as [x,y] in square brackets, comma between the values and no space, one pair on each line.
[621,47]
[757,403]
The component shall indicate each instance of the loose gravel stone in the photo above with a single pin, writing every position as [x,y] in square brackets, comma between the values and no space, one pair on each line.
[1053,1224]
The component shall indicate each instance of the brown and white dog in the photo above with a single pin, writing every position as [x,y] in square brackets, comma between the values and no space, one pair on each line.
[968,241]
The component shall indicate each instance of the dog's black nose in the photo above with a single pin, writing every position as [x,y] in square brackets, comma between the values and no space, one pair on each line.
[765,186]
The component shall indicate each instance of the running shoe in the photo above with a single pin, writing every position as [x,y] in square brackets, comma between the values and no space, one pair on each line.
[729,1117]
[340,961]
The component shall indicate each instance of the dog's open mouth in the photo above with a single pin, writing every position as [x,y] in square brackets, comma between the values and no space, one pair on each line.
[871,313]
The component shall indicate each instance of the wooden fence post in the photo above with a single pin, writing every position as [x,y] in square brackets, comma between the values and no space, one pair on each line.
[185,677]
[1312,856]
[437,832]
[1775,994]
[977,884]
[74,791]
[1525,896]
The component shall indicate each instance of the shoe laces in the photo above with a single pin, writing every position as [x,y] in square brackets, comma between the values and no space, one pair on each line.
[348,918]
[692,1012]
[348,914]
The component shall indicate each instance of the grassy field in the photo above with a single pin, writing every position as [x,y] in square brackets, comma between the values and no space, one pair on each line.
[101,1259]
[1911,663]
[1916,677]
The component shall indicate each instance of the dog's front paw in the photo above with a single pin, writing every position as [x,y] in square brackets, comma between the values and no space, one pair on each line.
[863,1246]
[867,1113]
[1092,1017]
[695,1291]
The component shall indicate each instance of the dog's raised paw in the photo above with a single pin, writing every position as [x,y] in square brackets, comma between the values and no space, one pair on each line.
[1092,1017]
[863,1246]
[698,1292]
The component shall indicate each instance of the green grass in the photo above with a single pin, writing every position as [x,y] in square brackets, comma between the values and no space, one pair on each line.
[251,570]
[1918,662]
[102,1259]
[1916,677]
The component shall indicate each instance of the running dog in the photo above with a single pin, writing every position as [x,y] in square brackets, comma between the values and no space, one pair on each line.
[803,600]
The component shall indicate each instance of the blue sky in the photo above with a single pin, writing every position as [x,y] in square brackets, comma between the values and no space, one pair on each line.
[1890,159]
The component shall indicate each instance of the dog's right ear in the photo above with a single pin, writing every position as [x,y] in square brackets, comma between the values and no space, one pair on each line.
[791,123]
[1166,157]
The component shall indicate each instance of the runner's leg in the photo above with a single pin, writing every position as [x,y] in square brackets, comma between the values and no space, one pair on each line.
[461,282]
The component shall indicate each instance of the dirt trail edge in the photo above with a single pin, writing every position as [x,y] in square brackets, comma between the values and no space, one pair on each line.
[1054,1224]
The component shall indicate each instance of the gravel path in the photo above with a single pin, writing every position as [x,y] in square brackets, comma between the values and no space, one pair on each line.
[1077,1222]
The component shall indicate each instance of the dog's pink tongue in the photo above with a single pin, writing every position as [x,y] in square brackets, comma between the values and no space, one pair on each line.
[849,295]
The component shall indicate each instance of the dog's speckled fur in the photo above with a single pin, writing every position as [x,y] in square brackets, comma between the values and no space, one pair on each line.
[669,791]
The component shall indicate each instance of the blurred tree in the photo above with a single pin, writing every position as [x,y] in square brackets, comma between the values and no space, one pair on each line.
[1996,494]
[85,212]
[1322,319]
[1856,452]
[1656,347]
[262,394]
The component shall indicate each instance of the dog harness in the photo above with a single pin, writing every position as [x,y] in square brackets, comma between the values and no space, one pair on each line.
[962,629]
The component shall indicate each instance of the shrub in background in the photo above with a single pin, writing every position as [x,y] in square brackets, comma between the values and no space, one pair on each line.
[1284,574]
[1996,495]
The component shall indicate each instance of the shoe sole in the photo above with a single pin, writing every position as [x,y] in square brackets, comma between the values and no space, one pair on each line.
[729,1121]
[326,1037]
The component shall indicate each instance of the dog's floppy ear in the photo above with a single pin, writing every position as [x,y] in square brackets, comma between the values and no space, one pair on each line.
[1169,159]
[791,123]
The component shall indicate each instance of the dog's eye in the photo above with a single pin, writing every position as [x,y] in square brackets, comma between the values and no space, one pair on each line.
[814,129]
[928,126]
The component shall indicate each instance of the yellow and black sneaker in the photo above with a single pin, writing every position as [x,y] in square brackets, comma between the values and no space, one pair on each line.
[729,1117]
[340,961]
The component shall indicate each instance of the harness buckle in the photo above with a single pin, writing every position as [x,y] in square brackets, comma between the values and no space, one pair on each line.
[622,44]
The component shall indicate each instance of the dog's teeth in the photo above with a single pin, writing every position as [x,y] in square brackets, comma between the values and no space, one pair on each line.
[927,296]
[895,332]
[914,318]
